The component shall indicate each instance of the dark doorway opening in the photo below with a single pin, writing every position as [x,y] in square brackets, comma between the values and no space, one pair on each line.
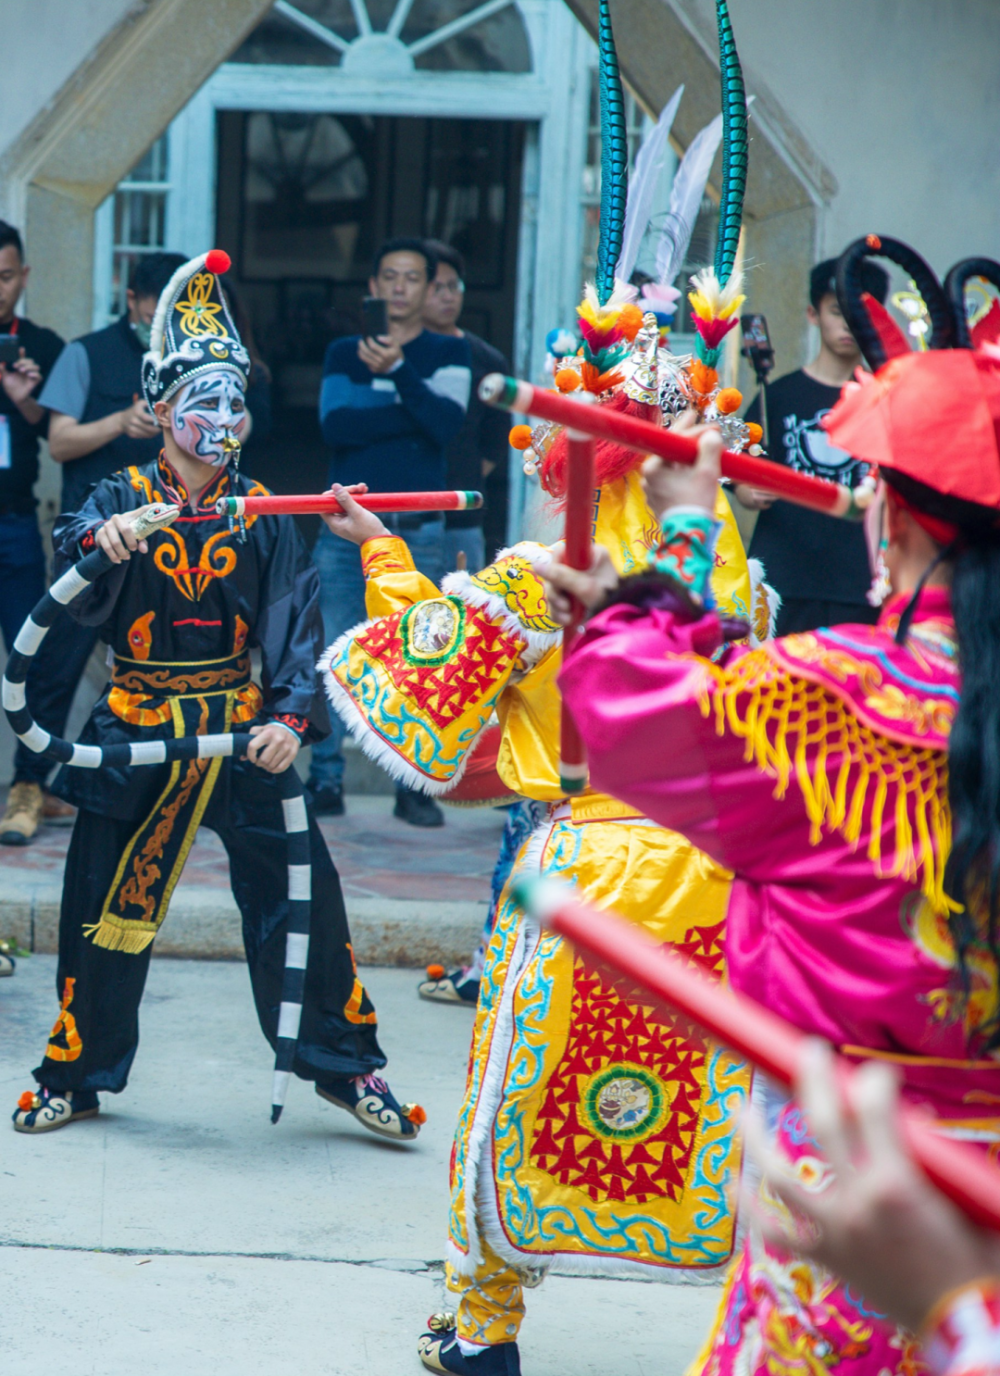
[304,200]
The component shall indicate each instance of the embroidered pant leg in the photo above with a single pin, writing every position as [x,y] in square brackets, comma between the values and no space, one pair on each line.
[94,1040]
[338,1033]
[491,1307]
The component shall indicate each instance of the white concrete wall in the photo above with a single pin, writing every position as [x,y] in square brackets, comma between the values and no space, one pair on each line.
[900,99]
[44,41]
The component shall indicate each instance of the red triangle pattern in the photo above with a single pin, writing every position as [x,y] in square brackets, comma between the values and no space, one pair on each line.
[609,1024]
[444,691]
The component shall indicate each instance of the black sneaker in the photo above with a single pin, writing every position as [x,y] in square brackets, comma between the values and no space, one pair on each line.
[325,801]
[417,809]
[439,1351]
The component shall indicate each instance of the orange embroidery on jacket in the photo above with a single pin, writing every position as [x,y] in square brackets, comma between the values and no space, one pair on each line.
[66,1024]
[215,561]
[140,635]
[352,1009]
[240,638]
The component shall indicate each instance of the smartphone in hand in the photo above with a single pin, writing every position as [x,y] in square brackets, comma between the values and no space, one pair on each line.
[374,317]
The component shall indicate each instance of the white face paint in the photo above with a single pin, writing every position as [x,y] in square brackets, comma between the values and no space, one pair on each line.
[207,410]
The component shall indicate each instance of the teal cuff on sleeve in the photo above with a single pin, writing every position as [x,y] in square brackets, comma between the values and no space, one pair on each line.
[687,550]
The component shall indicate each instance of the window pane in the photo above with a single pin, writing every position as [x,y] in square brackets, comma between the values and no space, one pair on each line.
[306,194]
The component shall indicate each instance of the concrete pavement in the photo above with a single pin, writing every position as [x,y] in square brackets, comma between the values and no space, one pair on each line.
[180,1232]
[412,895]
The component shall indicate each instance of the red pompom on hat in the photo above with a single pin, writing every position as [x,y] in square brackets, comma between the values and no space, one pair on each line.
[217,260]
[932,417]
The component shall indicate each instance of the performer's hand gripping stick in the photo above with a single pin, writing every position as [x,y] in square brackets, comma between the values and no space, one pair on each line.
[602,422]
[766,1040]
[146,522]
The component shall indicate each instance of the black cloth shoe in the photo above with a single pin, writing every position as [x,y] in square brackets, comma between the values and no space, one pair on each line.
[453,986]
[439,1351]
[375,1106]
[417,809]
[325,801]
[49,1109]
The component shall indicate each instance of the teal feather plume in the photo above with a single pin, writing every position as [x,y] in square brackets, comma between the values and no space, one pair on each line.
[614,159]
[735,147]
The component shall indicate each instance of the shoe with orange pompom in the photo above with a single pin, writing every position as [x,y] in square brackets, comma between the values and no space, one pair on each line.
[375,1106]
[449,986]
[49,1109]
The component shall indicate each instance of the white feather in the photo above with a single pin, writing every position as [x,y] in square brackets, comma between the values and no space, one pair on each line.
[642,188]
[685,201]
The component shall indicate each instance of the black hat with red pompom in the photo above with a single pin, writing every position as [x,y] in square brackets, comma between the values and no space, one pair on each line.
[193,330]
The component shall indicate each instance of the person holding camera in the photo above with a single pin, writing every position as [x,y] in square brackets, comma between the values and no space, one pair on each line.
[392,399]
[27,355]
[99,423]
[818,564]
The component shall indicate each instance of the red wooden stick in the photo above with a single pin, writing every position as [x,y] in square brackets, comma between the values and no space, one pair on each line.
[513,395]
[371,501]
[579,534]
[957,1169]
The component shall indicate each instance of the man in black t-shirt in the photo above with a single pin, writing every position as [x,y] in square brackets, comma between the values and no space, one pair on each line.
[480,448]
[819,564]
[22,427]
[98,423]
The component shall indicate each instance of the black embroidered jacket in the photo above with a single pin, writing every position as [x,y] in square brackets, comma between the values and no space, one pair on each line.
[181,621]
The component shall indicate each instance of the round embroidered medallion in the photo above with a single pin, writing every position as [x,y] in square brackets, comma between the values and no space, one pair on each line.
[431,630]
[624,1102]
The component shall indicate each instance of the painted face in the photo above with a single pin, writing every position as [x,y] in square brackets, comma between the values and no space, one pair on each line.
[209,409]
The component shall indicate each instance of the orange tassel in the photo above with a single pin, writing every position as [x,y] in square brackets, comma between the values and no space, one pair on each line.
[27,1101]
[520,437]
[630,320]
[415,1114]
[438,971]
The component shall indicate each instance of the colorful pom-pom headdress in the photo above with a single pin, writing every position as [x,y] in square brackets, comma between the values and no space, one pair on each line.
[622,361]
[193,330]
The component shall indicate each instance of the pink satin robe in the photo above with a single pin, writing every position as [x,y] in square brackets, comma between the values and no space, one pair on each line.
[816,930]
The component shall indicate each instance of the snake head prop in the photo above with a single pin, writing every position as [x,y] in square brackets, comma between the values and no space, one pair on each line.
[155,517]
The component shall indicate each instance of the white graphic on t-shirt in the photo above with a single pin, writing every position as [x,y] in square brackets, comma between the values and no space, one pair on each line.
[809,450]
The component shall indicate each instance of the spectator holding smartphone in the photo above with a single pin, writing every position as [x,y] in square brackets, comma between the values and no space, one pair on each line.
[29,352]
[481,446]
[388,408]
[819,564]
[98,424]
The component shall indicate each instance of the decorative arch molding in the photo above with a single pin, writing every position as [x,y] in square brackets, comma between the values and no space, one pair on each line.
[666,42]
[112,109]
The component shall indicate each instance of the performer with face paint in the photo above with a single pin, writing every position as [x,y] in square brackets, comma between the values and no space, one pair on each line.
[181,612]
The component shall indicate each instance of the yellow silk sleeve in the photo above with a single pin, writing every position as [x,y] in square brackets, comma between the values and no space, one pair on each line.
[392,582]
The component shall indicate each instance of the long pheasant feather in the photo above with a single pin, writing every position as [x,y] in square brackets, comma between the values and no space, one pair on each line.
[735,147]
[614,158]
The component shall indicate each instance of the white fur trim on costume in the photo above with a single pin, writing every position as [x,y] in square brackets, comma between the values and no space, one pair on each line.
[460,584]
[479,1155]
[399,769]
[759,587]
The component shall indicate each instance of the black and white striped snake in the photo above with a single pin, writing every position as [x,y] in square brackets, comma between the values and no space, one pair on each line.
[233,743]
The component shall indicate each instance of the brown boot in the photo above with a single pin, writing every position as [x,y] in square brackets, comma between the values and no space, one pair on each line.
[56,813]
[21,815]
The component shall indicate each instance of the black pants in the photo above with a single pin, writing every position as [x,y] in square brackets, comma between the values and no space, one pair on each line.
[52,682]
[95,1041]
[809,614]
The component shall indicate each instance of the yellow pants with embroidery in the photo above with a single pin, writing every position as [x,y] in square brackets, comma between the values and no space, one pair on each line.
[491,1307]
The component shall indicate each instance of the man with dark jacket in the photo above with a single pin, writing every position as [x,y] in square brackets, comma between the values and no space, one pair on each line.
[22,427]
[99,424]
